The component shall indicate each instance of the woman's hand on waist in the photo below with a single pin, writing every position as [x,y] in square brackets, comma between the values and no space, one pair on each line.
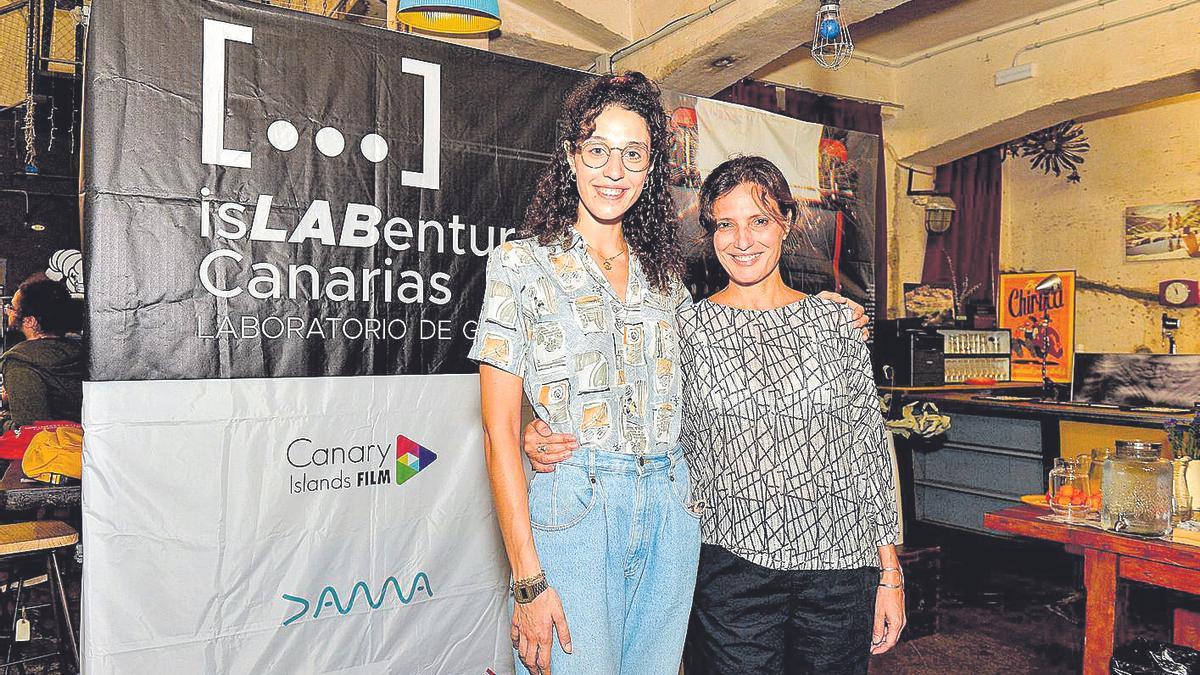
[544,448]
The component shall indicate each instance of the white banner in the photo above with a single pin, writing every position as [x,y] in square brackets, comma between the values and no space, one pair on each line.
[298,525]
[726,130]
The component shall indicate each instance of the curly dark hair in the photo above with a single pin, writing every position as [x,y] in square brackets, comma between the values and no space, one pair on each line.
[651,225]
[770,190]
[50,303]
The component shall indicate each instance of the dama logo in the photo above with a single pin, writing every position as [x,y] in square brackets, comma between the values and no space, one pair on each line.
[411,458]
[329,597]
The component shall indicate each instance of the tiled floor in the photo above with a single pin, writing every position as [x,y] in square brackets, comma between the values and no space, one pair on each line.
[1004,610]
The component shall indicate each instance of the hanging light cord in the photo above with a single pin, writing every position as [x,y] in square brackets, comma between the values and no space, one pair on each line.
[30,71]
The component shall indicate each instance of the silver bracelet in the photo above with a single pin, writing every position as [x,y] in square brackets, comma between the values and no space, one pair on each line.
[899,586]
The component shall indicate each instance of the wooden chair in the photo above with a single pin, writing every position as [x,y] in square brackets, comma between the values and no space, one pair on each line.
[24,547]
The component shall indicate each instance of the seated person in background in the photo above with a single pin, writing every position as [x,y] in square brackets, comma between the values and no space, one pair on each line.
[43,376]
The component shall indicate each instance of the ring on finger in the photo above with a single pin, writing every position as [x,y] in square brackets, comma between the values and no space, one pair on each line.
[541,448]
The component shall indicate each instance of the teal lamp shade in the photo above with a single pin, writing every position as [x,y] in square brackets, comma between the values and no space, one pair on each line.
[457,17]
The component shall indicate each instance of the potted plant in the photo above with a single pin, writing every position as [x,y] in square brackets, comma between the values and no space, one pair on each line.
[1184,438]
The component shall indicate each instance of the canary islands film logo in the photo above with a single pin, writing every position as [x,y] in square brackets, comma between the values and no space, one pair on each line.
[322,467]
[411,458]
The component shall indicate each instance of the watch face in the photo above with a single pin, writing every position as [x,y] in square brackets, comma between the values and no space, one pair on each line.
[1176,293]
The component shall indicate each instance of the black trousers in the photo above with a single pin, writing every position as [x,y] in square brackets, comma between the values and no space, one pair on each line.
[751,619]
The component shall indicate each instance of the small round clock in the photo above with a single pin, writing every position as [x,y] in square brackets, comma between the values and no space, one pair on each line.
[1179,293]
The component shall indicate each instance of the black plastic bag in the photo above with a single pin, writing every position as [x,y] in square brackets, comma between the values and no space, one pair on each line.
[1143,657]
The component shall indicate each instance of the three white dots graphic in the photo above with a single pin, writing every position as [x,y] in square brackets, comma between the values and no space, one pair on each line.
[330,142]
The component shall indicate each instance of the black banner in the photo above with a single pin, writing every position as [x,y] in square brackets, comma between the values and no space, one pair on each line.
[261,254]
[273,194]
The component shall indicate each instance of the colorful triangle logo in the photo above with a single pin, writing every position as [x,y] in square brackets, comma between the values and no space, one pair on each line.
[411,458]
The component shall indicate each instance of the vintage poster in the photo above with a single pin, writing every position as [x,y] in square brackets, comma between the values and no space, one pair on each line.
[1042,323]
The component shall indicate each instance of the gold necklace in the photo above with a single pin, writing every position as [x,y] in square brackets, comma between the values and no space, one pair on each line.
[606,263]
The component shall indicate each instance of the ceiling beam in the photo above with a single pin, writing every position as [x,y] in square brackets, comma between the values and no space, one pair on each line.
[581,19]
[526,47]
[1036,119]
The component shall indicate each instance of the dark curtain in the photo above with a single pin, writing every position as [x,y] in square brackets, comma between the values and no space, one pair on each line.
[842,114]
[973,240]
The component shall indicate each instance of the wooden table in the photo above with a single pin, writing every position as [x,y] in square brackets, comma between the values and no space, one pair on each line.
[18,493]
[1107,558]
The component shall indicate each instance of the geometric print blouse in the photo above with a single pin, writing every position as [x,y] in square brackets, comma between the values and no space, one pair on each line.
[784,437]
[603,370]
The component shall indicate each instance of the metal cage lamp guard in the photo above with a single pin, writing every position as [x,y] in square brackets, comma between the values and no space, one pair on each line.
[831,43]
[939,207]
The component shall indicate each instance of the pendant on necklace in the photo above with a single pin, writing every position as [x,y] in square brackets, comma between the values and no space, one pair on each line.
[607,265]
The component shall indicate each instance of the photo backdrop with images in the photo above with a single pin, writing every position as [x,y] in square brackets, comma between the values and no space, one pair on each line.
[286,223]
[830,172]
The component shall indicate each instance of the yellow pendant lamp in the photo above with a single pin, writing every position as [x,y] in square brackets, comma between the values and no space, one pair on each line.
[457,17]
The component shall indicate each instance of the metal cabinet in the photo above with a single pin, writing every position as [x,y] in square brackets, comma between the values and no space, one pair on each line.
[986,463]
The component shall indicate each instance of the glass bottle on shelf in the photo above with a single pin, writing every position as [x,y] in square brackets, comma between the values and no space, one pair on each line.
[1096,476]
[1181,499]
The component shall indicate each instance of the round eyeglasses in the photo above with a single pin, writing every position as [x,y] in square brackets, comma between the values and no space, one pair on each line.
[595,154]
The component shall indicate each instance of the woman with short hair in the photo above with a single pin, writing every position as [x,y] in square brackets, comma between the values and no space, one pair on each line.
[782,429]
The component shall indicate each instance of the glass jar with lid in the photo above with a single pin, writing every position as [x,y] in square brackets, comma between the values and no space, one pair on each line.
[1137,490]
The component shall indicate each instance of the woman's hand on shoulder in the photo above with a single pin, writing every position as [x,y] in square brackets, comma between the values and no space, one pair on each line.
[861,321]
[545,449]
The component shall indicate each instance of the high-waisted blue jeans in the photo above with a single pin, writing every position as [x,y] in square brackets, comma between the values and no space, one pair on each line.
[619,541]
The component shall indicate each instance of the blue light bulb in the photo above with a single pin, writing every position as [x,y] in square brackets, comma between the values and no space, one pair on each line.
[830,29]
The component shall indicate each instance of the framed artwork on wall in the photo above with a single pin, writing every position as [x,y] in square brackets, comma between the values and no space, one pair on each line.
[1168,231]
[933,303]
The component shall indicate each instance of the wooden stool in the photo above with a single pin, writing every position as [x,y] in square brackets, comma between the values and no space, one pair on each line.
[24,542]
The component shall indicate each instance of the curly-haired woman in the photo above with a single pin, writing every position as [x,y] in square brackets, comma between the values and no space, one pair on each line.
[581,317]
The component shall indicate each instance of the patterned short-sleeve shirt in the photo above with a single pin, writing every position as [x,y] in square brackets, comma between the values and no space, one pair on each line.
[593,366]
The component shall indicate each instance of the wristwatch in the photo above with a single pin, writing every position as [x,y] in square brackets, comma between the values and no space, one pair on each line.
[526,590]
